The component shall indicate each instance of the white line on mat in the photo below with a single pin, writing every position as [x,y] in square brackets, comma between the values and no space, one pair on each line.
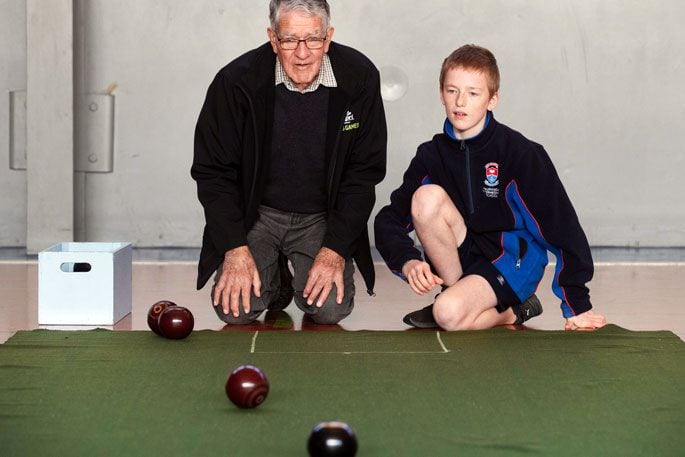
[352,353]
[444,349]
[254,347]
[254,341]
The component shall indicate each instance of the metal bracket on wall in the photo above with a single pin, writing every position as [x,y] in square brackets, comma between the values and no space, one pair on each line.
[95,147]
[18,130]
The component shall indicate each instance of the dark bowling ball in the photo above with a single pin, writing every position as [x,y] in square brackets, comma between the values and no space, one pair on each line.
[176,322]
[247,387]
[155,311]
[332,439]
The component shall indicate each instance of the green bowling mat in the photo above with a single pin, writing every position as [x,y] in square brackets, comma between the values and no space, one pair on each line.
[611,392]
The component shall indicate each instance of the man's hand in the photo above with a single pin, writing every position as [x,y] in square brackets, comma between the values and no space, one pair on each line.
[420,277]
[238,276]
[326,270]
[588,320]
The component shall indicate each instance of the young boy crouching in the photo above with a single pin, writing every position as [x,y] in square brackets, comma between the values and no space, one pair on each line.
[486,204]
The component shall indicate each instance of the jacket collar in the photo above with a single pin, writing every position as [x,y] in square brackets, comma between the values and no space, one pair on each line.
[261,76]
[477,141]
[350,75]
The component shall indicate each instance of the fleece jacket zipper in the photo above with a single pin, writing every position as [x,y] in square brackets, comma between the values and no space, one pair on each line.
[464,147]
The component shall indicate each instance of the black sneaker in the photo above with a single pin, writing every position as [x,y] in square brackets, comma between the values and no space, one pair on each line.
[286,292]
[527,310]
[422,318]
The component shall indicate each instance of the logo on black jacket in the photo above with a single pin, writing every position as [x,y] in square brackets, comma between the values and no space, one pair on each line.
[350,123]
[491,180]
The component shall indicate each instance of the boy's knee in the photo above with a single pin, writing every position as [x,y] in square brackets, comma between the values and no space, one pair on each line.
[427,201]
[450,315]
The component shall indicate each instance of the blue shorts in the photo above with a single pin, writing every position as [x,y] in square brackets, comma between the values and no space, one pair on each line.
[473,263]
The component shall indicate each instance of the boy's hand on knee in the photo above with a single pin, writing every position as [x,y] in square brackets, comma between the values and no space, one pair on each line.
[239,276]
[326,270]
[588,320]
[420,277]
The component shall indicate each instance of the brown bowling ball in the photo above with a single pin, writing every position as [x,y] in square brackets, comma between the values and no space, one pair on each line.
[176,322]
[155,311]
[247,387]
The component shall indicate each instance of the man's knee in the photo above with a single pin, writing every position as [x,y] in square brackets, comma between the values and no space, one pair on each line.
[242,319]
[428,202]
[330,312]
[257,307]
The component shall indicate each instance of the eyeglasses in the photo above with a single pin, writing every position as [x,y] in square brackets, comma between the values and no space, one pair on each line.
[290,44]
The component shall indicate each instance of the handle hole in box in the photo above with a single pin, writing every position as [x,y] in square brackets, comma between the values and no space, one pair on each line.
[75,267]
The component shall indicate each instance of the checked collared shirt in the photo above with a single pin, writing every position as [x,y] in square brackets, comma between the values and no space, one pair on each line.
[325,78]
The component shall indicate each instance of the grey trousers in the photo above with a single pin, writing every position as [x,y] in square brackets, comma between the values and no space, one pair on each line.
[299,237]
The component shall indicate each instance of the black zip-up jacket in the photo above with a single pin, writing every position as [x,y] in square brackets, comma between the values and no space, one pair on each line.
[514,205]
[233,146]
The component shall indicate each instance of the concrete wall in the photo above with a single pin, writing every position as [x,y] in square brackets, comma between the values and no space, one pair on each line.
[12,78]
[50,123]
[597,83]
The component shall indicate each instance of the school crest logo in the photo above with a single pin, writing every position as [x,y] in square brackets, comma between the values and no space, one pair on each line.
[491,189]
[491,174]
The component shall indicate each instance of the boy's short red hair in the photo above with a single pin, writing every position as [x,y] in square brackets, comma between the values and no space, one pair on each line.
[472,57]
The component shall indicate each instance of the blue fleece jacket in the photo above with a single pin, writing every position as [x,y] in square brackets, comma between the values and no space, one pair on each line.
[514,205]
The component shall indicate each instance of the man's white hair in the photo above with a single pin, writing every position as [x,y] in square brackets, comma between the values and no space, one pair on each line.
[318,8]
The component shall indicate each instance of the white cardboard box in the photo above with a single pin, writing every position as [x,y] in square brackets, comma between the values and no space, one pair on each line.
[84,283]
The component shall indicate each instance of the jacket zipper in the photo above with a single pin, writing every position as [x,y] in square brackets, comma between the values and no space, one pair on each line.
[334,155]
[256,140]
[467,152]
[523,248]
